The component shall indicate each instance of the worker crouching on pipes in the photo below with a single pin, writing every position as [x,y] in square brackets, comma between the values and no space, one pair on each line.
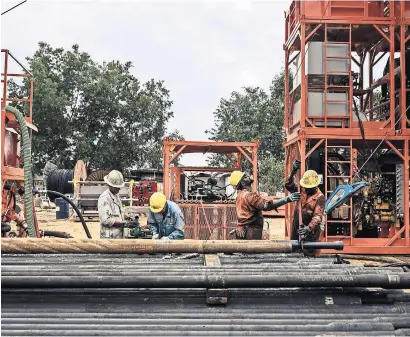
[110,208]
[249,206]
[312,205]
[165,218]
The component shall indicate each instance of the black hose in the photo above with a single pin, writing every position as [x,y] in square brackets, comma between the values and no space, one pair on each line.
[56,234]
[87,232]
[58,180]
[5,227]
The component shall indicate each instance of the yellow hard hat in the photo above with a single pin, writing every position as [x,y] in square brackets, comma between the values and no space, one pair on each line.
[310,179]
[235,178]
[157,202]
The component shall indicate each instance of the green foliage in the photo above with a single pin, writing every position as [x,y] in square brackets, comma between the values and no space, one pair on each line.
[255,114]
[271,175]
[99,113]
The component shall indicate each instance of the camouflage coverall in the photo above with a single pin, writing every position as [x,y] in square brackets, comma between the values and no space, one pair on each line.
[110,211]
[249,206]
[312,215]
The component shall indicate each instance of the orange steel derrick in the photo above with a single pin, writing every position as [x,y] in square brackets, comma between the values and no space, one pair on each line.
[331,107]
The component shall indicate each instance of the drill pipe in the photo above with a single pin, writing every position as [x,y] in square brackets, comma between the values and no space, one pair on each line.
[141,246]
[208,279]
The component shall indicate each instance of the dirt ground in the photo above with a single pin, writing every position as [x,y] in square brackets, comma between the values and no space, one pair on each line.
[47,221]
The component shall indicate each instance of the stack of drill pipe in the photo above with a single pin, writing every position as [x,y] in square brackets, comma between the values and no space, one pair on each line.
[179,311]
[133,271]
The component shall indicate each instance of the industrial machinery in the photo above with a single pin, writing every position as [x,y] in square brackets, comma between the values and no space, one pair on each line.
[16,129]
[205,184]
[344,124]
[142,191]
[134,230]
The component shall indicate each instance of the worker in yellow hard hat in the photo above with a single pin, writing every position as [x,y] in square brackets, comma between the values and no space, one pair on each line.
[165,218]
[249,206]
[312,205]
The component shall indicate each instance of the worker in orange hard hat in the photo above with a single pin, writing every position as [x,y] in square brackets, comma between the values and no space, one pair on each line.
[312,206]
[249,206]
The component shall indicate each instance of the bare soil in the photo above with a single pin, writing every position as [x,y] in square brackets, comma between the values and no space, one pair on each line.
[47,221]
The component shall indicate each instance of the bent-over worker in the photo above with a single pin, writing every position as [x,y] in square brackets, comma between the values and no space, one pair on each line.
[249,206]
[312,205]
[165,218]
[110,208]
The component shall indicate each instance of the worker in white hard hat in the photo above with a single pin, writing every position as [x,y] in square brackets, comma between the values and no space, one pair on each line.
[312,206]
[110,208]
[249,206]
[165,218]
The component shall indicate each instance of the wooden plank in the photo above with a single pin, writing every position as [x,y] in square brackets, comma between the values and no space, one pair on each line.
[215,296]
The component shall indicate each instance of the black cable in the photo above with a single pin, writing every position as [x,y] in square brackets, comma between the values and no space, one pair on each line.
[58,180]
[14,7]
[365,144]
[87,232]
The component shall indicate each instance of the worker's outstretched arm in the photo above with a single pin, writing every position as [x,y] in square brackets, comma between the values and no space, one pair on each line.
[255,200]
[274,205]
[290,182]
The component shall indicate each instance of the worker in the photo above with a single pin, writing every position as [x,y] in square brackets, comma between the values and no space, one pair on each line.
[249,206]
[312,207]
[110,208]
[165,218]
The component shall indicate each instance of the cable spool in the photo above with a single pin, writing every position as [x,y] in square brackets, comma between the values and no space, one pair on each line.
[63,180]
[58,180]
[97,175]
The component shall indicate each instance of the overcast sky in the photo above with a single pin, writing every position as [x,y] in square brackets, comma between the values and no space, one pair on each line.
[203,50]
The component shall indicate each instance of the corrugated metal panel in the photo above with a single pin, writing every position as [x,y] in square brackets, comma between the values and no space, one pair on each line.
[183,312]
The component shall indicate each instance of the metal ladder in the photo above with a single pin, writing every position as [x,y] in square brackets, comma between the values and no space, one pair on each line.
[337,88]
[346,180]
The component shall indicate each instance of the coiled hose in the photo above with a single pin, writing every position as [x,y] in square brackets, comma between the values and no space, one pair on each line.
[28,183]
[58,180]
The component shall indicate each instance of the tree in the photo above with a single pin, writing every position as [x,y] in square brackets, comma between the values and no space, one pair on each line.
[250,115]
[271,175]
[99,113]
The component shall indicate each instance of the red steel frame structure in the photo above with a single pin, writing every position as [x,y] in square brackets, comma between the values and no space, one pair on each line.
[10,151]
[206,221]
[372,29]
[173,149]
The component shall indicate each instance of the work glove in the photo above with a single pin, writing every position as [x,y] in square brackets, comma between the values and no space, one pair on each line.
[130,224]
[295,166]
[119,224]
[165,238]
[304,230]
[240,232]
[155,237]
[294,197]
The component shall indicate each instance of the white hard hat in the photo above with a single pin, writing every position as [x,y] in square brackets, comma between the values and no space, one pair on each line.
[114,179]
